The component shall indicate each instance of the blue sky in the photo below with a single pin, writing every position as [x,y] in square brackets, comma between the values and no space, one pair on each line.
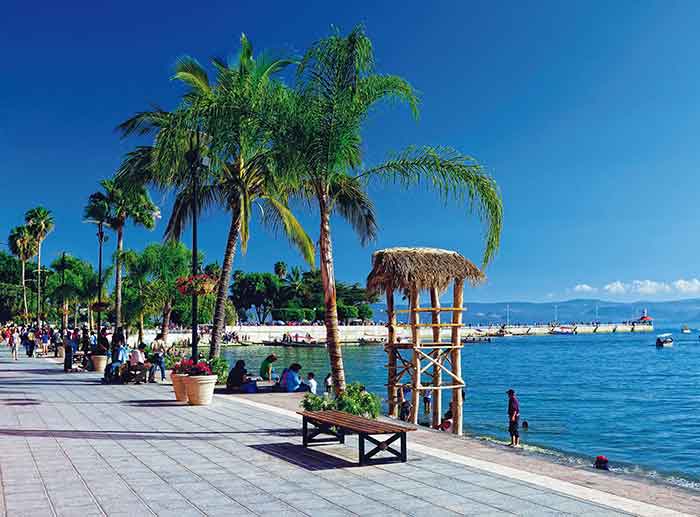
[586,113]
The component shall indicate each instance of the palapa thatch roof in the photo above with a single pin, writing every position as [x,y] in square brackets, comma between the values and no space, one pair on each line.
[423,268]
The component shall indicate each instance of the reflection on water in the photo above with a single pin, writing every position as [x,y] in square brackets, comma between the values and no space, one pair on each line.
[612,394]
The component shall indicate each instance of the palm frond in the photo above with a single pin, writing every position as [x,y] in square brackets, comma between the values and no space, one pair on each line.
[351,201]
[277,216]
[455,177]
[189,71]
[375,87]
[183,208]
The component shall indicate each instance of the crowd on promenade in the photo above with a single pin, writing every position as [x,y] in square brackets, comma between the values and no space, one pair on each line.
[80,347]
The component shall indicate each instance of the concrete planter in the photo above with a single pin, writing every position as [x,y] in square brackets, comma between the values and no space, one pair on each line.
[179,386]
[200,389]
[99,362]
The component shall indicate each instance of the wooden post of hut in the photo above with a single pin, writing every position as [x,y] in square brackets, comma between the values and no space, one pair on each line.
[423,365]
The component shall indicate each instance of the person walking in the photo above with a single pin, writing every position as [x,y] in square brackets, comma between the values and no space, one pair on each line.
[15,339]
[513,418]
[158,350]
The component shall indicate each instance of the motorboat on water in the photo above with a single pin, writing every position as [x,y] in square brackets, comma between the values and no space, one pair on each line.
[664,340]
[685,329]
[561,330]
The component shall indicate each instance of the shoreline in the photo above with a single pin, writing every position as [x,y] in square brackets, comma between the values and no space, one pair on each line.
[353,334]
[529,461]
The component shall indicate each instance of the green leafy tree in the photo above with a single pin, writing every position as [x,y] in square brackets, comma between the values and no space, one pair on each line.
[257,291]
[123,202]
[167,262]
[23,245]
[10,286]
[280,270]
[40,223]
[319,131]
[364,311]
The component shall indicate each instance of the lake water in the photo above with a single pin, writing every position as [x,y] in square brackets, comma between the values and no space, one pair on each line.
[583,395]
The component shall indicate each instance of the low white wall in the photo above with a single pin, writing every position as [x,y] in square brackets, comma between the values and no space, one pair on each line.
[353,333]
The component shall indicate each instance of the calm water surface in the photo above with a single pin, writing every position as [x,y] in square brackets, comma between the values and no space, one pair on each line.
[584,395]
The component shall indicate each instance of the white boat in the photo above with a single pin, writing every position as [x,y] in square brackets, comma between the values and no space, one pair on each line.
[685,329]
[664,340]
[561,330]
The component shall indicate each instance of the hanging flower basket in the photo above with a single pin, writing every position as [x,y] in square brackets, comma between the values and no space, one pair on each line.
[196,285]
[100,307]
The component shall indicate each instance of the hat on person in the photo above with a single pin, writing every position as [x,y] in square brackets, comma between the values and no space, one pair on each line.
[511,391]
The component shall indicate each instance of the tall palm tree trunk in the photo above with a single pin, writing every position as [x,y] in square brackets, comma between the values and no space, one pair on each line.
[38,284]
[140,327]
[167,310]
[222,288]
[329,297]
[118,277]
[24,292]
[141,313]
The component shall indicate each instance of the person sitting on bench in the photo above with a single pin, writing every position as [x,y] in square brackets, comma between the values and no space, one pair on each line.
[112,370]
[137,365]
[293,380]
[237,377]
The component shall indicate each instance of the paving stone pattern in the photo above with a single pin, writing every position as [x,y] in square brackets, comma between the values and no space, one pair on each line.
[70,446]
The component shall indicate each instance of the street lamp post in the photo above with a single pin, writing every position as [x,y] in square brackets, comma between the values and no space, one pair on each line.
[193,159]
[64,315]
[100,239]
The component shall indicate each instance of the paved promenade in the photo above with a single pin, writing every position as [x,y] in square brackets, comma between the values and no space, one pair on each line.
[71,446]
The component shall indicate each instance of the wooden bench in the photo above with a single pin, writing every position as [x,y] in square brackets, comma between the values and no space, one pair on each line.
[339,424]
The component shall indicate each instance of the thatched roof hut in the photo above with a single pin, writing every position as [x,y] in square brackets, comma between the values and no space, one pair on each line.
[423,268]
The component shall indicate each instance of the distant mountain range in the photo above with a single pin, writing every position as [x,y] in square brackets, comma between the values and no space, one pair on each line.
[579,310]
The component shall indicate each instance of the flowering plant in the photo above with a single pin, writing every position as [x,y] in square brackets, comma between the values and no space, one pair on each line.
[196,284]
[182,367]
[201,368]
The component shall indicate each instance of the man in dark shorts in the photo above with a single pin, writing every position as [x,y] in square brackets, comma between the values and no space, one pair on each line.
[513,417]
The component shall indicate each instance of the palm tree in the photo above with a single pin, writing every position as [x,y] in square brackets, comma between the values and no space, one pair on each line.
[24,246]
[40,222]
[320,136]
[138,268]
[280,269]
[124,202]
[245,177]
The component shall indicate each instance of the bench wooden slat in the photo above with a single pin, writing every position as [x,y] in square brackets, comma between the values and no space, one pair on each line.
[355,423]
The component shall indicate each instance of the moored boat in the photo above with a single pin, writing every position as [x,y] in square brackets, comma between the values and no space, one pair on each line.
[561,330]
[685,329]
[297,344]
[664,341]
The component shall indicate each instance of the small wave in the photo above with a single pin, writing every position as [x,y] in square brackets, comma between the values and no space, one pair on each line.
[618,468]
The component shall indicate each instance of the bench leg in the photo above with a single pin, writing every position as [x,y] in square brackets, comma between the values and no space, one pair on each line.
[305,432]
[404,455]
[383,446]
[363,460]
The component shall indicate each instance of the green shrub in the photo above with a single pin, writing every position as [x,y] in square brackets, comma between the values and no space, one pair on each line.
[219,367]
[313,402]
[355,400]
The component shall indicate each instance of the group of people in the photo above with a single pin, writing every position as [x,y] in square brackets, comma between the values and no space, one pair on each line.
[35,339]
[289,381]
[134,365]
